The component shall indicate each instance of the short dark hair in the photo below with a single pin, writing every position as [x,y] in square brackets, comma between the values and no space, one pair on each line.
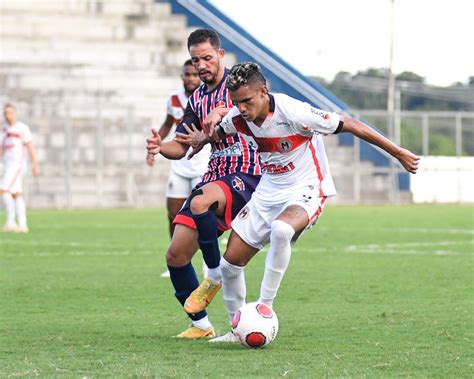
[244,74]
[8,105]
[204,35]
[189,62]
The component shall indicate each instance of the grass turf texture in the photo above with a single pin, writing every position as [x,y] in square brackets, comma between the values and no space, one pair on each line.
[370,292]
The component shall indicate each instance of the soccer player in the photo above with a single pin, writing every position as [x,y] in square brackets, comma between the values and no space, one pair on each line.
[184,174]
[296,180]
[16,139]
[233,173]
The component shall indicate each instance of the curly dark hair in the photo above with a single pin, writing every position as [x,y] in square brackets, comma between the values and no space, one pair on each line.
[204,35]
[244,74]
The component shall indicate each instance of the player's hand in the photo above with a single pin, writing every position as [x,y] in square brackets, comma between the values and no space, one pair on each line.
[153,144]
[195,138]
[408,160]
[212,120]
[150,159]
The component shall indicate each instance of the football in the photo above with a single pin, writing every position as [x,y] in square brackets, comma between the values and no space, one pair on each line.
[255,325]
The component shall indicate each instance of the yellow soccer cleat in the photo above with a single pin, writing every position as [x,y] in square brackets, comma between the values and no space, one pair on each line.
[202,296]
[194,333]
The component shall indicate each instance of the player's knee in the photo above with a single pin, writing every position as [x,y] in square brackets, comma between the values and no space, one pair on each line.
[281,232]
[200,204]
[174,258]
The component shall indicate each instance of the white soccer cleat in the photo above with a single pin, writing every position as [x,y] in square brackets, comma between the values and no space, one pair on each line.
[22,229]
[10,227]
[165,274]
[228,337]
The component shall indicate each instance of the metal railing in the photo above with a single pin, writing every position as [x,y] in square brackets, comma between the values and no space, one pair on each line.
[428,132]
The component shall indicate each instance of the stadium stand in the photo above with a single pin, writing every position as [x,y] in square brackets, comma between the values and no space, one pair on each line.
[91,77]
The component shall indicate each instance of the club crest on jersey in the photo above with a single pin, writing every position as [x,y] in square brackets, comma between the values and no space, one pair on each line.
[220,103]
[238,184]
[285,144]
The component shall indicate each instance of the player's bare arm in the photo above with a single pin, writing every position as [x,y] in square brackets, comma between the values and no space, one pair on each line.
[170,150]
[195,138]
[34,160]
[407,159]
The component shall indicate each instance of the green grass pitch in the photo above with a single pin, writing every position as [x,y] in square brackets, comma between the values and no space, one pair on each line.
[370,292]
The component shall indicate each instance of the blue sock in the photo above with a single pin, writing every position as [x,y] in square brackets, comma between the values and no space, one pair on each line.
[185,281]
[206,224]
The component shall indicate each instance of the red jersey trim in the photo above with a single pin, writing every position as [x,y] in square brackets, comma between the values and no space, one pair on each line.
[318,211]
[175,102]
[318,170]
[270,144]
[184,220]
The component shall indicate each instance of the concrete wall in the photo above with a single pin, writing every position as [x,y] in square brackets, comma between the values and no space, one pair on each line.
[444,180]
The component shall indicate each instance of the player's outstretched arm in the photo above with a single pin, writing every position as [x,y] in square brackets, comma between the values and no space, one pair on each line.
[34,159]
[407,159]
[162,132]
[195,138]
[170,150]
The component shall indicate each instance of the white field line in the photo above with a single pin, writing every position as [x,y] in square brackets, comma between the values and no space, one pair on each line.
[410,230]
[468,231]
[407,248]
[80,253]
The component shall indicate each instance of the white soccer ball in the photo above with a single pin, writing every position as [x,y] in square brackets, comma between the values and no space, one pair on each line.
[255,325]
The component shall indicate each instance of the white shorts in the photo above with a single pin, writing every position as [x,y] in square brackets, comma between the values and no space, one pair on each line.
[12,180]
[253,223]
[180,187]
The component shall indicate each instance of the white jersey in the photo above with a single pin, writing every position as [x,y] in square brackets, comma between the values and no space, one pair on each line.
[290,146]
[188,168]
[14,139]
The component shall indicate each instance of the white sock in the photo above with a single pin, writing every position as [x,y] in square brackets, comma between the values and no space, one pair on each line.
[203,323]
[277,260]
[233,287]
[205,269]
[21,211]
[215,274]
[9,204]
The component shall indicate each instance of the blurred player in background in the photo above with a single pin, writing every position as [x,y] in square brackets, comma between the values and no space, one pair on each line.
[16,140]
[185,173]
[233,173]
[295,184]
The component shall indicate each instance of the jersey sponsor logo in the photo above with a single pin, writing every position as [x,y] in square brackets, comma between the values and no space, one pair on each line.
[244,213]
[238,184]
[282,123]
[319,112]
[278,169]
[235,149]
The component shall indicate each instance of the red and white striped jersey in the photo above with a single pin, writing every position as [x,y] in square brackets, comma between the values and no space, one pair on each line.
[14,140]
[228,156]
[290,143]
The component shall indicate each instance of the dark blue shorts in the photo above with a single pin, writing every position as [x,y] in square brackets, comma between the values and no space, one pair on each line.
[238,189]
